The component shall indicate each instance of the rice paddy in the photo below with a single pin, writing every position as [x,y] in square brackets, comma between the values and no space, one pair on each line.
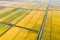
[29,20]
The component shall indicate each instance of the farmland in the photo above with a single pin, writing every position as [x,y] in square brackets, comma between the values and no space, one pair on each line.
[29,20]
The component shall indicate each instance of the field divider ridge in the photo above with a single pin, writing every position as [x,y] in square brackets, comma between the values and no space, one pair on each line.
[18,26]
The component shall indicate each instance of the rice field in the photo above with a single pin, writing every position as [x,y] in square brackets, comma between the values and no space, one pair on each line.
[29,20]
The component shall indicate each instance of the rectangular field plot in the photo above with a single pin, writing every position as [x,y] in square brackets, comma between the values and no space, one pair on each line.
[56,25]
[52,26]
[16,33]
[32,20]
[3,28]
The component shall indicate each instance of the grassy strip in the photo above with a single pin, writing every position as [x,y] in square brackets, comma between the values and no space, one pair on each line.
[9,12]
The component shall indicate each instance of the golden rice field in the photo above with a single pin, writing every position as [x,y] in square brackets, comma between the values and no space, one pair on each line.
[29,21]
